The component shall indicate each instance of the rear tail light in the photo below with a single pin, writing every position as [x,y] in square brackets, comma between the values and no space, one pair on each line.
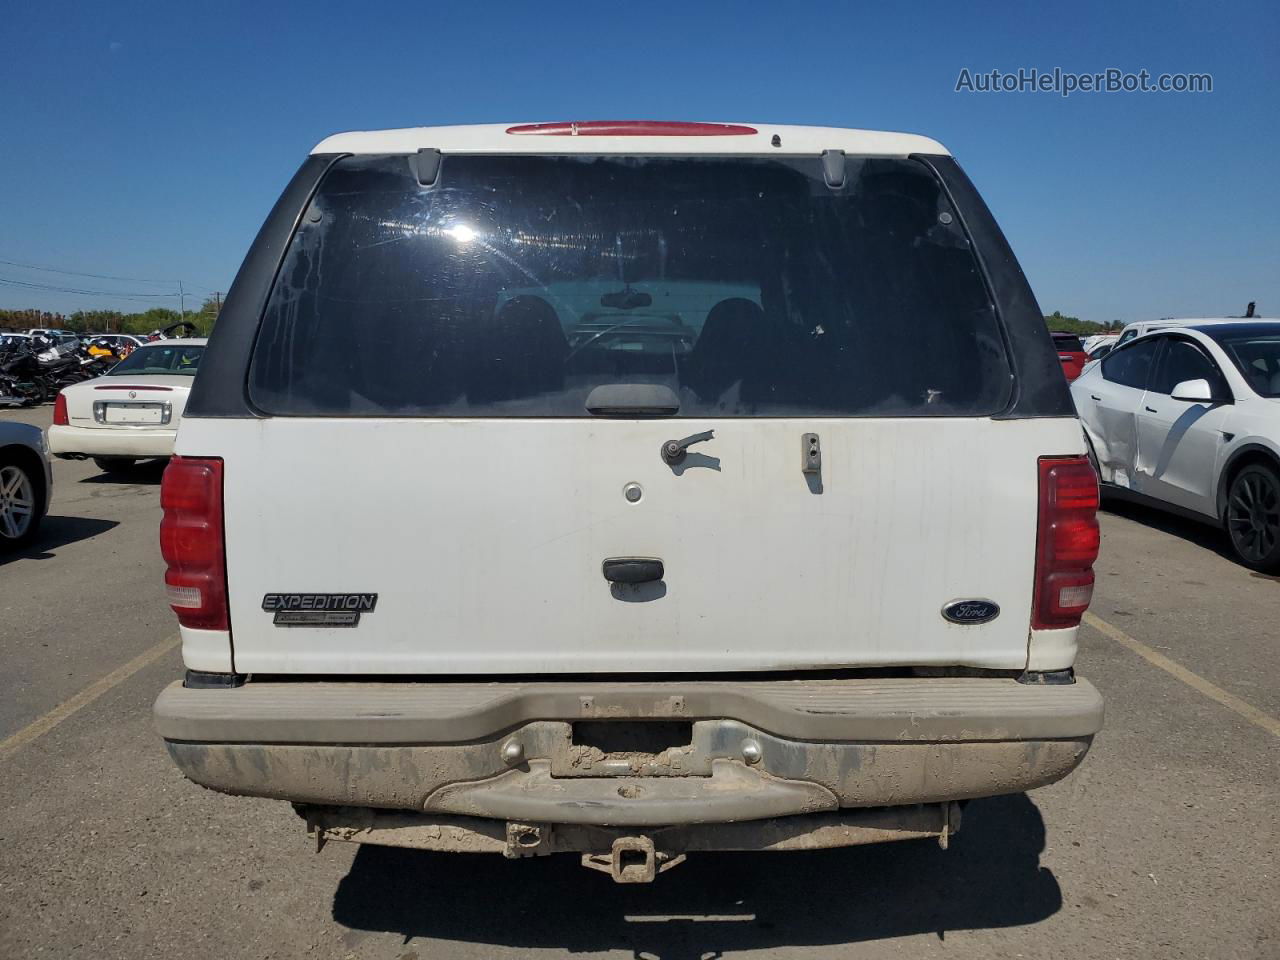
[191,541]
[1067,541]
[60,418]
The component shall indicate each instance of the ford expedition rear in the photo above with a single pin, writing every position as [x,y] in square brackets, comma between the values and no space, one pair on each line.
[629,490]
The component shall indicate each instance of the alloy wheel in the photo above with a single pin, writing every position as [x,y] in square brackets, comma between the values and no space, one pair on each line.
[17,502]
[1253,514]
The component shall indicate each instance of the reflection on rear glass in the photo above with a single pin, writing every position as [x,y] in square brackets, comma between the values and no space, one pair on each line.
[516,285]
[171,361]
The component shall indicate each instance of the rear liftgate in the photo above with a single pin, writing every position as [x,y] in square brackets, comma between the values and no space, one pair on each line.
[616,781]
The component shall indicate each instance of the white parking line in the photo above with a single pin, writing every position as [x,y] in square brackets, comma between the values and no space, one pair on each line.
[42,725]
[1193,680]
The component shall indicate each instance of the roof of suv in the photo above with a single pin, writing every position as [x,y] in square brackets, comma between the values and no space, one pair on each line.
[631,137]
[1192,321]
[1249,326]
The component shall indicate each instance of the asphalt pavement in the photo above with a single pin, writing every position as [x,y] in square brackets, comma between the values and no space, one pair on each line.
[1163,844]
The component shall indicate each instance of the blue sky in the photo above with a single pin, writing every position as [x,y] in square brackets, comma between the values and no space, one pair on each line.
[144,140]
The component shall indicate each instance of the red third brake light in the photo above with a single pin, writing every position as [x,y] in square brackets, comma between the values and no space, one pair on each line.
[632,128]
[60,411]
[1066,542]
[191,540]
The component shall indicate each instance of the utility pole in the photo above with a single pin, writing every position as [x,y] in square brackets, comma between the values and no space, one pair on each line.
[217,302]
[182,301]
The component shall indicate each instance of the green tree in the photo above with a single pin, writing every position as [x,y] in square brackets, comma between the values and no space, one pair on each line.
[95,321]
[28,317]
[112,321]
[1058,323]
[207,315]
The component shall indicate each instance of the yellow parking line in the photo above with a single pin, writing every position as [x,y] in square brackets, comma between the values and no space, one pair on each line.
[39,727]
[1192,680]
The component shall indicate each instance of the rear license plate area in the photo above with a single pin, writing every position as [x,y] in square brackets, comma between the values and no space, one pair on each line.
[629,748]
[133,414]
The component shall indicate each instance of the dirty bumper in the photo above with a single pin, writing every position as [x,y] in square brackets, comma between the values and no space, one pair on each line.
[673,754]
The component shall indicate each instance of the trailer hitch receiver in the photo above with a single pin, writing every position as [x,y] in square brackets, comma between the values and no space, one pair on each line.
[632,860]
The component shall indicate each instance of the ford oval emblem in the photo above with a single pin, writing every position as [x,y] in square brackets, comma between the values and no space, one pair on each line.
[971,611]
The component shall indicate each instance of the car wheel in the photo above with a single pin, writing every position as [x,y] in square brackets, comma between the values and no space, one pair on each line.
[20,512]
[1253,516]
[114,464]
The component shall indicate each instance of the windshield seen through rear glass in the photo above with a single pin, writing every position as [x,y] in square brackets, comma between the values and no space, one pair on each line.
[1256,356]
[515,285]
[168,360]
[1067,343]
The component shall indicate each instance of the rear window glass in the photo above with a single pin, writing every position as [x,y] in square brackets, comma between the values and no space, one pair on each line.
[1130,365]
[174,360]
[1068,343]
[515,285]
[1182,360]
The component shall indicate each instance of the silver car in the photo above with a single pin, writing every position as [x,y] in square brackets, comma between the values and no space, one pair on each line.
[26,484]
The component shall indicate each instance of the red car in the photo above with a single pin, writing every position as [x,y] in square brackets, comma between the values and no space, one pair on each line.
[1071,353]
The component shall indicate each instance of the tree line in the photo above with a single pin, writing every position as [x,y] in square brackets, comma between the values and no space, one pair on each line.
[114,321]
[111,321]
[1057,323]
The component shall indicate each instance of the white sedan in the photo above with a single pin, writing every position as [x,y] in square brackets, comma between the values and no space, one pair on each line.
[132,412]
[1188,419]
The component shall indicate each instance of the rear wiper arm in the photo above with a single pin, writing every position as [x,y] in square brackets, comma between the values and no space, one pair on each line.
[673,451]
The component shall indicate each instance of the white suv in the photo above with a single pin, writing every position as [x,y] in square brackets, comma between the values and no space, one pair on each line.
[1141,327]
[627,489]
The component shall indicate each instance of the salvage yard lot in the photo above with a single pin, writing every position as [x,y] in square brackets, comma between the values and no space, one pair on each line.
[1163,844]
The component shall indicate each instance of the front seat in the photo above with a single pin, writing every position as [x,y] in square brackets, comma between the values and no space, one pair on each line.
[737,344]
[520,353]
[1273,384]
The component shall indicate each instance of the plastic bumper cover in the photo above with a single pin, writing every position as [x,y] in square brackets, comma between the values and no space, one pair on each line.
[112,441]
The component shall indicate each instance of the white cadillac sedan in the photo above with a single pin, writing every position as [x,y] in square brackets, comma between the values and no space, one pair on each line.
[132,412]
[1188,419]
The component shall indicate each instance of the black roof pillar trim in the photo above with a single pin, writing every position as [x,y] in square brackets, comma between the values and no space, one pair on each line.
[1039,388]
[221,389]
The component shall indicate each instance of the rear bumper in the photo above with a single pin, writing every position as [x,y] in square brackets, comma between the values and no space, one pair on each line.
[507,751]
[111,441]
